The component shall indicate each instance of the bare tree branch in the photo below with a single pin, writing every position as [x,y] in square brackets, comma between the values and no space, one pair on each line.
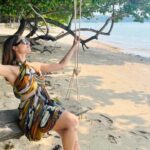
[102,28]
[68,30]
[40,17]
[21,27]
[72,32]
[69,25]
[34,28]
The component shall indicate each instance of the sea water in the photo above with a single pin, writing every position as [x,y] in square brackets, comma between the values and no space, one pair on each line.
[132,37]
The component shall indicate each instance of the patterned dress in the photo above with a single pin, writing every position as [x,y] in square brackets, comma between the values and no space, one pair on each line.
[37,111]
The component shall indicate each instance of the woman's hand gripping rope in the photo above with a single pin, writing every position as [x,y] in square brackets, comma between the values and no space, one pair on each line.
[76,41]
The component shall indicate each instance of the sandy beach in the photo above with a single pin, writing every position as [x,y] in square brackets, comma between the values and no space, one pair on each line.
[113,87]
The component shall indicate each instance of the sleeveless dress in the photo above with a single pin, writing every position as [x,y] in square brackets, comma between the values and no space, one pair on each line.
[38,113]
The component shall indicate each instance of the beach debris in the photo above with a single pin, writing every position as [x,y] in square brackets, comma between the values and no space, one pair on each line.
[51,93]
[57,147]
[45,48]
[83,111]
[112,139]
[57,84]
[48,83]
[8,146]
[50,88]
[67,80]
[108,119]
[56,136]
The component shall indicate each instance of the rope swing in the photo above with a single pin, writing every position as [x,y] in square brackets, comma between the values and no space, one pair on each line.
[76,67]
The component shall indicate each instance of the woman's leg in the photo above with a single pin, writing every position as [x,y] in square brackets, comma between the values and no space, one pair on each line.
[67,126]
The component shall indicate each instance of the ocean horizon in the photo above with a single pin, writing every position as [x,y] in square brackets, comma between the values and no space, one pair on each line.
[131,37]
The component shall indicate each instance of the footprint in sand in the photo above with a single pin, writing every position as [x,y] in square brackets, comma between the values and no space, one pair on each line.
[102,121]
[143,134]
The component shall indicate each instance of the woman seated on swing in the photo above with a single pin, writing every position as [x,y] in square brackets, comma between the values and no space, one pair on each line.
[38,113]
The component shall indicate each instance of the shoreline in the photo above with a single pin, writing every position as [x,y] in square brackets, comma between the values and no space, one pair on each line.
[113,86]
[92,44]
[127,36]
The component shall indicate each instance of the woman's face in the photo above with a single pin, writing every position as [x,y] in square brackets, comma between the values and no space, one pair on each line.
[22,46]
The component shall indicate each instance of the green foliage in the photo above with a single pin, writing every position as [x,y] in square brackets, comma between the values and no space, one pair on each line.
[61,10]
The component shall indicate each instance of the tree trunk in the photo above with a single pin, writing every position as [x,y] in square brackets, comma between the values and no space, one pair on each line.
[21,27]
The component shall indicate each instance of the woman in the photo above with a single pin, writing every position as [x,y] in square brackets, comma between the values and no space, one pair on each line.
[38,113]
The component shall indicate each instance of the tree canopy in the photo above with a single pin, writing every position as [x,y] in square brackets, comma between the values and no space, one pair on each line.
[62,9]
[61,13]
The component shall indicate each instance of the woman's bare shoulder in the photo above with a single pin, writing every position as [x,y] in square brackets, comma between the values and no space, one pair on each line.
[35,65]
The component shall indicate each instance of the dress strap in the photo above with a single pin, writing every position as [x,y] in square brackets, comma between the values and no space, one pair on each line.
[19,63]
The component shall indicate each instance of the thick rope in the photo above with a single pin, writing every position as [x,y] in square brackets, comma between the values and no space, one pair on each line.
[76,68]
[75,71]
[77,52]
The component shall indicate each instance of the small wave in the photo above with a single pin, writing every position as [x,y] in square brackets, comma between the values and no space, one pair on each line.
[137,53]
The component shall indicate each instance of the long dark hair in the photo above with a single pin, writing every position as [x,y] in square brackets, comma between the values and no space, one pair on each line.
[8,55]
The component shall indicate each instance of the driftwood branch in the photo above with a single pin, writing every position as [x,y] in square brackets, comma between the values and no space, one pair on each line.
[32,7]
[102,28]
[67,28]
[34,28]
[21,27]
[72,32]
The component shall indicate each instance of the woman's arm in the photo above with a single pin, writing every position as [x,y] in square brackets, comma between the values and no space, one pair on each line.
[47,68]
